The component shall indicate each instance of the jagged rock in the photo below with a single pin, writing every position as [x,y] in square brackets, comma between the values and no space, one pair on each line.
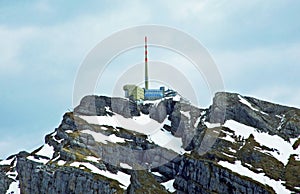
[38,178]
[144,182]
[226,106]
[159,112]
[102,106]
[195,167]
[198,176]
[4,182]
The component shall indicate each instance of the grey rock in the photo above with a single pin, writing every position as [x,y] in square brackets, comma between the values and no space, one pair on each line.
[39,178]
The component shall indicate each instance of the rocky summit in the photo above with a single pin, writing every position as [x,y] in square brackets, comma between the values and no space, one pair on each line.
[114,145]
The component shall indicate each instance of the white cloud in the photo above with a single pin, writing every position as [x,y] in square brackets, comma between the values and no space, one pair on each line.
[281,94]
[53,52]
[12,40]
[236,64]
[268,72]
[43,6]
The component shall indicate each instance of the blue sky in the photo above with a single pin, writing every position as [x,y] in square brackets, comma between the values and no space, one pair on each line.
[255,44]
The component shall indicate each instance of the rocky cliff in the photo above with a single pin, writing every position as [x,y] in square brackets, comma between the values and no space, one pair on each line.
[113,145]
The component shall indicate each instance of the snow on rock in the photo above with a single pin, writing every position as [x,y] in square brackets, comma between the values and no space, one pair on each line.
[282,118]
[165,139]
[7,162]
[99,137]
[157,174]
[92,159]
[284,148]
[212,125]
[232,150]
[197,122]
[260,177]
[154,102]
[142,124]
[186,113]
[228,138]
[13,188]
[61,162]
[124,165]
[177,98]
[47,151]
[12,175]
[169,185]
[121,177]
[39,160]
[228,155]
[244,101]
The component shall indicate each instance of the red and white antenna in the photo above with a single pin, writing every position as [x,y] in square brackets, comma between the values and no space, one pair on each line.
[146,65]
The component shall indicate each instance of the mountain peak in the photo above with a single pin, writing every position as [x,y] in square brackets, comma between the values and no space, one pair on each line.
[112,145]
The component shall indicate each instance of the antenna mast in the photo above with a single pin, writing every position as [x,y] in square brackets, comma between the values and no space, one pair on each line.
[146,65]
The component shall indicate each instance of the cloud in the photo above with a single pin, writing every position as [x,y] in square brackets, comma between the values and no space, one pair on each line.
[272,60]
[38,65]
[281,94]
[269,72]
[12,41]
[13,145]
[255,45]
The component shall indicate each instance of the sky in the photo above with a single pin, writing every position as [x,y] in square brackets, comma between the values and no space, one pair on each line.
[255,45]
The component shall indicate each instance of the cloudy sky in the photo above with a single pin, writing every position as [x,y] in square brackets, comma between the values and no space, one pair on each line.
[255,45]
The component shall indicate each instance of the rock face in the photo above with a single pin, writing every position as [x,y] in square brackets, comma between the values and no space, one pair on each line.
[36,178]
[267,117]
[108,146]
[198,176]
[4,182]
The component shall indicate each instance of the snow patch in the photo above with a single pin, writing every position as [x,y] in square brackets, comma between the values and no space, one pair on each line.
[121,177]
[165,139]
[7,162]
[212,125]
[297,158]
[197,122]
[232,150]
[47,151]
[124,165]
[284,148]
[260,177]
[99,137]
[142,124]
[40,160]
[92,159]
[13,188]
[281,122]
[12,175]
[231,156]
[169,185]
[228,138]
[157,174]
[186,113]
[176,98]
[245,102]
[61,162]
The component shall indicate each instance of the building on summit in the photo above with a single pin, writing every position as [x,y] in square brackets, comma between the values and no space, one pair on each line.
[133,92]
[137,93]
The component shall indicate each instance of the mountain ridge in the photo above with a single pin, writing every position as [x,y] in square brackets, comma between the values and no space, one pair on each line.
[103,146]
